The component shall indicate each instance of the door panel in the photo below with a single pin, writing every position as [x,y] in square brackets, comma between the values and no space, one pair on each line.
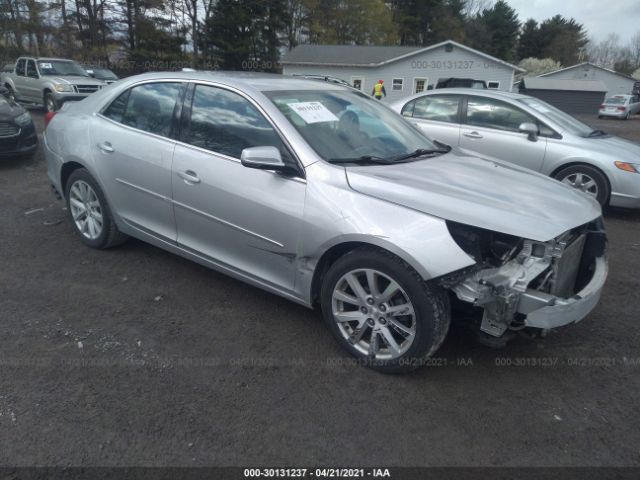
[136,171]
[245,218]
[491,129]
[133,151]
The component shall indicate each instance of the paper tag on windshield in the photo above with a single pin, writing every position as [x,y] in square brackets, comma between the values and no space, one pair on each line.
[45,66]
[313,112]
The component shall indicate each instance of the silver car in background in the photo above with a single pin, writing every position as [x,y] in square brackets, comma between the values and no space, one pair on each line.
[620,106]
[324,196]
[530,133]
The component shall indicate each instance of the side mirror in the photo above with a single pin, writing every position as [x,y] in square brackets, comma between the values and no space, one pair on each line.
[262,158]
[531,129]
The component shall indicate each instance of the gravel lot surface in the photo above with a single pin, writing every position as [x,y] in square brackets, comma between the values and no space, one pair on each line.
[134,356]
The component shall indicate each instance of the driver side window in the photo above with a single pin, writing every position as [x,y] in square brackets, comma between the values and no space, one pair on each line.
[491,113]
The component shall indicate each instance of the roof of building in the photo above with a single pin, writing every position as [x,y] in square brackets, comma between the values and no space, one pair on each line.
[368,56]
[538,83]
[590,65]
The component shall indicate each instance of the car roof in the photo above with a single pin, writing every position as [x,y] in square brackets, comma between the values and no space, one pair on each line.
[497,94]
[253,80]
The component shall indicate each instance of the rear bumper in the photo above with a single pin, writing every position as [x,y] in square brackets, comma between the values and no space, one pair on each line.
[547,311]
[612,114]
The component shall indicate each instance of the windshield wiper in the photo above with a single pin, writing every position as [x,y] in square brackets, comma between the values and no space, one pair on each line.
[597,133]
[421,152]
[362,159]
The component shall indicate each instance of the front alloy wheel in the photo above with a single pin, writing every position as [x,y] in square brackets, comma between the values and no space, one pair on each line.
[588,180]
[374,314]
[382,312]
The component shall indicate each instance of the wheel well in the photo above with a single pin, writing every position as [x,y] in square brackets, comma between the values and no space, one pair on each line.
[328,258]
[573,164]
[67,169]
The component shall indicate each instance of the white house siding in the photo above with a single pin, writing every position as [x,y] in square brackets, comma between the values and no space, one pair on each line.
[616,84]
[431,65]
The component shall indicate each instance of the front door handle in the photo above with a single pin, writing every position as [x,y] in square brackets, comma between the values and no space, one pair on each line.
[106,147]
[189,176]
[472,135]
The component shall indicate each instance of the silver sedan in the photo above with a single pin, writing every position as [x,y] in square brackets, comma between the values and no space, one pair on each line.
[326,197]
[530,133]
[620,106]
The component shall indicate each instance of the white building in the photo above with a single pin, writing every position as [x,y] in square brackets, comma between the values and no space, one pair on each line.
[405,70]
[616,83]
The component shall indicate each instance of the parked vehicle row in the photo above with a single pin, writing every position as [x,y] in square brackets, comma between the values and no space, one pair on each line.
[530,133]
[325,196]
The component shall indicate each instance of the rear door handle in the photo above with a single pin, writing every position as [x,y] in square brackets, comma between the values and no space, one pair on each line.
[106,147]
[472,135]
[189,176]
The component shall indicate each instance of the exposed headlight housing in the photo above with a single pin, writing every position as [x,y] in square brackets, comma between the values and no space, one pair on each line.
[628,167]
[63,87]
[23,119]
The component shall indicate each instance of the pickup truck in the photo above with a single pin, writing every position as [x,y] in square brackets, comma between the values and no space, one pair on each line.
[49,82]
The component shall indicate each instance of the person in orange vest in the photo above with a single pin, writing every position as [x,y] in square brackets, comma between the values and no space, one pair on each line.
[378,90]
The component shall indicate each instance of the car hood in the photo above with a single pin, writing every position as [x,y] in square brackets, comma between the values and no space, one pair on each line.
[75,80]
[479,192]
[9,109]
[624,150]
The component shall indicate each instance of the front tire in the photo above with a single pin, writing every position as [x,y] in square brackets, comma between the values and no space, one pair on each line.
[382,312]
[89,212]
[50,103]
[588,180]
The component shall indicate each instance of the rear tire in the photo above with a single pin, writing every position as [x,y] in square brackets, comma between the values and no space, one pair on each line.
[587,179]
[397,324]
[89,212]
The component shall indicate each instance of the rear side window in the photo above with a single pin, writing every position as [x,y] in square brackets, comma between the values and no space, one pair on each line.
[149,107]
[225,122]
[20,65]
[31,69]
[441,108]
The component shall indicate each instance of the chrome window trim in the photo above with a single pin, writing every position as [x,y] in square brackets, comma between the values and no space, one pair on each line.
[100,113]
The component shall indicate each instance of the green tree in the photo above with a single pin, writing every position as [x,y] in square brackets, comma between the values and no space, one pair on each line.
[246,34]
[356,22]
[562,39]
[529,43]
[497,31]
[425,22]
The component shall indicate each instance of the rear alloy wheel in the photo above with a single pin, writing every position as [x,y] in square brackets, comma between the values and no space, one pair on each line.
[90,213]
[588,180]
[382,312]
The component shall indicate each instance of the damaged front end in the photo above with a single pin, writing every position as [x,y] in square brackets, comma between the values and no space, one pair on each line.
[518,283]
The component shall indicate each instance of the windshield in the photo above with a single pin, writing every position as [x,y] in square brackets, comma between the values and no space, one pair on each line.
[566,121]
[61,67]
[615,101]
[342,124]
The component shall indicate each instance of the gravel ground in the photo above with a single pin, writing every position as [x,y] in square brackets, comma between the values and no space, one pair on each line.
[134,356]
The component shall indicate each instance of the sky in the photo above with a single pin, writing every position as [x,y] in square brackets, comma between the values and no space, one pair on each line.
[599,17]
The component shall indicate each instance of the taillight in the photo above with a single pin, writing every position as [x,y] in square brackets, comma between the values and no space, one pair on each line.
[602,107]
[48,117]
[621,109]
